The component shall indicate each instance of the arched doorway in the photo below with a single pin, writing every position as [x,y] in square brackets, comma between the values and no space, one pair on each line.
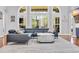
[56,18]
[22,17]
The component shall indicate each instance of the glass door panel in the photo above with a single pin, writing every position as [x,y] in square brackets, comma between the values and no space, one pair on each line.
[57,24]
[22,23]
[39,21]
[45,21]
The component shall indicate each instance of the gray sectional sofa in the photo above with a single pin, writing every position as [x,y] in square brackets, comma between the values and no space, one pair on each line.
[36,30]
[13,36]
[18,38]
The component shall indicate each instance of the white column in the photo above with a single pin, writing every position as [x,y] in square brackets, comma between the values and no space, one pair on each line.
[4,22]
[29,20]
[17,18]
[25,18]
[50,18]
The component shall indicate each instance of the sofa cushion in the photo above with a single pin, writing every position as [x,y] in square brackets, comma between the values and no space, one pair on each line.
[18,38]
[12,32]
[37,30]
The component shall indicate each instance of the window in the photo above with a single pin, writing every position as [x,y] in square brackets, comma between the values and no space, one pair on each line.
[1,15]
[39,21]
[22,9]
[45,21]
[55,9]
[57,21]
[39,8]
[22,17]
[20,20]
[35,22]
[57,24]
[21,23]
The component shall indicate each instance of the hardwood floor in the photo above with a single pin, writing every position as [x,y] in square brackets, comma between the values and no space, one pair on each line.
[3,41]
[59,46]
[67,37]
[76,41]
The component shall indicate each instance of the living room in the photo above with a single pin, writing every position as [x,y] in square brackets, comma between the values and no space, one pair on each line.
[38,19]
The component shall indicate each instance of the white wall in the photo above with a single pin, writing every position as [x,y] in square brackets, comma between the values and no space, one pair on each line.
[1,23]
[11,11]
[1,28]
[65,20]
[65,23]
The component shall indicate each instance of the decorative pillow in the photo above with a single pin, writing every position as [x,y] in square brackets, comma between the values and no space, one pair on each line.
[12,32]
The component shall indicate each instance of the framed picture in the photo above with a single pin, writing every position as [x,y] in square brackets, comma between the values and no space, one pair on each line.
[12,18]
[1,15]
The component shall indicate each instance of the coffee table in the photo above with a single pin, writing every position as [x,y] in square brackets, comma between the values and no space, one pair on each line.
[45,37]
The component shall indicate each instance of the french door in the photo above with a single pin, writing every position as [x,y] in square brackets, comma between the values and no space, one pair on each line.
[39,21]
[57,24]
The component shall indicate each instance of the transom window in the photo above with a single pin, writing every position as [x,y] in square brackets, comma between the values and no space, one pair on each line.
[22,9]
[39,8]
[55,9]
